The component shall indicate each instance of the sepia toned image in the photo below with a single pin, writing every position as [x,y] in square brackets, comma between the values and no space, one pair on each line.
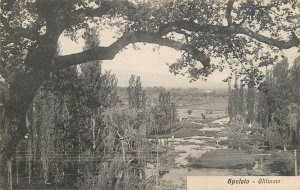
[149,94]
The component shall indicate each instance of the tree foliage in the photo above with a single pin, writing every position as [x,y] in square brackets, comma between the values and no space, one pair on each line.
[65,123]
[126,148]
[136,94]
[165,113]
[276,105]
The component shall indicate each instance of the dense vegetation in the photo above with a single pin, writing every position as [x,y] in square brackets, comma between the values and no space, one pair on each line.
[276,102]
[77,121]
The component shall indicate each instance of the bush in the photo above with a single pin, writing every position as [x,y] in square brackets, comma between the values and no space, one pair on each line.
[189,112]
[282,163]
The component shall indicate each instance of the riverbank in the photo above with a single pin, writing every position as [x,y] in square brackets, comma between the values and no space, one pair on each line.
[199,149]
[207,127]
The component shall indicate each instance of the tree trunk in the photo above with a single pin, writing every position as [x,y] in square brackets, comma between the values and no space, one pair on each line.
[10,174]
[298,139]
[298,129]
[13,109]
[17,164]
[13,112]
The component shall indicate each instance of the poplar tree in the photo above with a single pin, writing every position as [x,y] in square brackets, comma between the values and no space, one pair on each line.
[250,99]
[136,94]
[230,101]
[241,100]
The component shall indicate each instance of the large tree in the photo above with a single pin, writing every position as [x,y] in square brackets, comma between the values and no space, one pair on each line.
[201,30]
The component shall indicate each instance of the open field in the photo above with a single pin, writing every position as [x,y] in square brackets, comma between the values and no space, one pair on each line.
[223,158]
[183,129]
[220,105]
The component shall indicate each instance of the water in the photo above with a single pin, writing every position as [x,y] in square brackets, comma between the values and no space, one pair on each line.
[195,146]
[222,121]
[210,129]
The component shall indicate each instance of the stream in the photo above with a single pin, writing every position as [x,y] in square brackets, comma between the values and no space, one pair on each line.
[195,146]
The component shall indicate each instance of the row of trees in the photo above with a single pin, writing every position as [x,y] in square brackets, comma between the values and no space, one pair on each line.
[163,111]
[278,104]
[65,127]
[274,105]
[79,135]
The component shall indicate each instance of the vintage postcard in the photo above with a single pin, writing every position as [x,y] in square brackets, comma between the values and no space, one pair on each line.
[150,94]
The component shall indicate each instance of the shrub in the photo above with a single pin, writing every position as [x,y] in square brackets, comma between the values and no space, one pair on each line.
[282,163]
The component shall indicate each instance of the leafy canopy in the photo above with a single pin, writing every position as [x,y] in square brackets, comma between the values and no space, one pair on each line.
[211,34]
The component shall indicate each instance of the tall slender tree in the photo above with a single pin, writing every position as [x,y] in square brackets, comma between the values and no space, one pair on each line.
[250,99]
[230,101]
[131,91]
[241,99]
[235,99]
[136,94]
[295,82]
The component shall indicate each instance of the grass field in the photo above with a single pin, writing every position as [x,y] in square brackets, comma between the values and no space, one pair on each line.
[223,158]
[183,129]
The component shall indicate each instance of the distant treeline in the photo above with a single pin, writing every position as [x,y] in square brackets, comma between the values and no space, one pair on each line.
[179,96]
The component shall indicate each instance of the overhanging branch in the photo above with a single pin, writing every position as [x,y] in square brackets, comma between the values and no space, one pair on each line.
[108,53]
[281,44]
[231,28]
[234,29]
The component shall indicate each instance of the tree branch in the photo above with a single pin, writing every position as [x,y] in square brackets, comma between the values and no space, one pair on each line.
[191,26]
[228,12]
[281,44]
[234,29]
[108,53]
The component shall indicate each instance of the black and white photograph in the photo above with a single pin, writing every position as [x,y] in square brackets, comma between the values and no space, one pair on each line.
[149,94]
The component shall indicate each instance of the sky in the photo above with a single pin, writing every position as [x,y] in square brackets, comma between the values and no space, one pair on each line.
[152,65]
